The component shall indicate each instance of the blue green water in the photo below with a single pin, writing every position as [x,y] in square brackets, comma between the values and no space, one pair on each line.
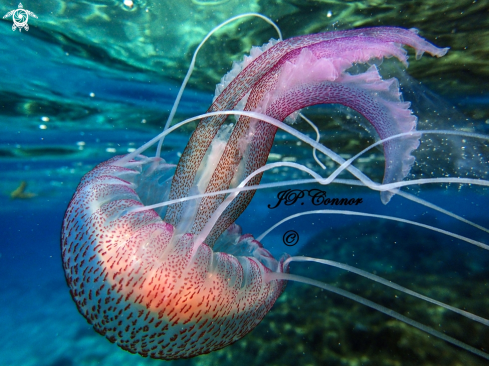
[93,79]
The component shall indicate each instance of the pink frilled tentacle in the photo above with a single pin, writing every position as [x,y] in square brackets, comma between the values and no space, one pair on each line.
[379,101]
[265,79]
[351,50]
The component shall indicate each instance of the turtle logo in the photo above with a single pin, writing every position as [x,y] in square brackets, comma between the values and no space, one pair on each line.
[20,17]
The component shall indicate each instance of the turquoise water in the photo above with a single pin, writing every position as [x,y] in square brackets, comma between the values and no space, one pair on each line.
[93,79]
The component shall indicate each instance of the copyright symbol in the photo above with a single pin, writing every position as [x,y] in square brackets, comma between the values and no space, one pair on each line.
[291,238]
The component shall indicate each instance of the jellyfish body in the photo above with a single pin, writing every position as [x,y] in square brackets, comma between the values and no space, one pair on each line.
[149,290]
[173,288]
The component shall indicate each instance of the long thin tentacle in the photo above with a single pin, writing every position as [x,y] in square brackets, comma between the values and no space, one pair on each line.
[290,277]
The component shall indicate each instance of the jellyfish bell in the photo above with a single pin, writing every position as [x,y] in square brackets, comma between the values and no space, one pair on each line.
[186,281]
[150,289]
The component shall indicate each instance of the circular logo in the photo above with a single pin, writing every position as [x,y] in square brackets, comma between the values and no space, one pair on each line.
[291,238]
[20,18]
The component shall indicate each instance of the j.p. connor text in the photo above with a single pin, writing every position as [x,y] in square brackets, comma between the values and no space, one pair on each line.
[317,196]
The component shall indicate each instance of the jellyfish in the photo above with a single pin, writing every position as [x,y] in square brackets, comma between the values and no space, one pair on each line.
[151,252]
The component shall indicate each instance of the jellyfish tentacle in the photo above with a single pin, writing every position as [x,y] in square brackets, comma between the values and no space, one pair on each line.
[350,182]
[317,178]
[384,217]
[389,118]
[192,65]
[387,283]
[290,277]
[344,165]
[318,136]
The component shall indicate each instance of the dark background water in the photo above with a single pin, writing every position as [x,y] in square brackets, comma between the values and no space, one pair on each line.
[91,79]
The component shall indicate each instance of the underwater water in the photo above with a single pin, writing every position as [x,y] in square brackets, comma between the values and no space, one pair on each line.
[94,79]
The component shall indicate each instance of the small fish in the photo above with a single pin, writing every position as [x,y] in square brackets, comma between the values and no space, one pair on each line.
[20,192]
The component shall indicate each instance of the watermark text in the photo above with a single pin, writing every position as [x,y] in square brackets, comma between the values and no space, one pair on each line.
[317,196]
